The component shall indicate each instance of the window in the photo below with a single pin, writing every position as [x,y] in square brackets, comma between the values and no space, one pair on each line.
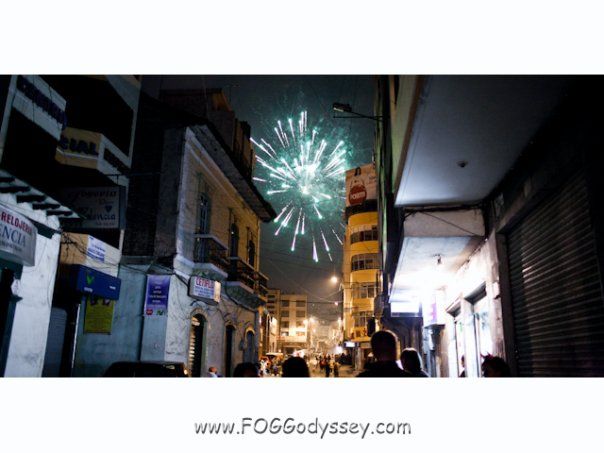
[234,248]
[301,304]
[285,303]
[251,253]
[285,324]
[284,333]
[361,318]
[367,234]
[203,226]
[364,291]
[300,334]
[285,314]
[365,261]
[300,324]
[300,314]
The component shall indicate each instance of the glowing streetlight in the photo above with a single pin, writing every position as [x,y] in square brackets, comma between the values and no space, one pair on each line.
[334,279]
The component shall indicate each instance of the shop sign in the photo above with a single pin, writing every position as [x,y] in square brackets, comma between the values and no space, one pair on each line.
[156,295]
[101,207]
[99,315]
[35,99]
[349,344]
[17,237]
[79,148]
[91,281]
[95,249]
[204,288]
[361,185]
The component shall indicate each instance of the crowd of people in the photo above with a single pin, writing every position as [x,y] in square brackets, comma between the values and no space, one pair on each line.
[382,363]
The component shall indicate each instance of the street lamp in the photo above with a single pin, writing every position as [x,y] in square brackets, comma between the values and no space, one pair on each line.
[334,279]
[347,108]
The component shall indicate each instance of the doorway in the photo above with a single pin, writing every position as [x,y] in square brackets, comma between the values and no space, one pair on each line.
[196,345]
[228,351]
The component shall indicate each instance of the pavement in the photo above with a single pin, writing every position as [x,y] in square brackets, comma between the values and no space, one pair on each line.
[346,371]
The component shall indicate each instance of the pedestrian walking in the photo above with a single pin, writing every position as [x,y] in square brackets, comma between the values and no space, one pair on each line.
[336,369]
[213,371]
[327,366]
[383,346]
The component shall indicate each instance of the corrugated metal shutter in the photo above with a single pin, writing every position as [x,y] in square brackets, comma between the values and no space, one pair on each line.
[556,288]
[54,342]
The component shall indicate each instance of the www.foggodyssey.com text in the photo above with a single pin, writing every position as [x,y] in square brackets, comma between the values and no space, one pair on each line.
[291,426]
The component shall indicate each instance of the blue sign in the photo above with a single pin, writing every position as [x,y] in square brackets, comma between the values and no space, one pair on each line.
[90,281]
[156,296]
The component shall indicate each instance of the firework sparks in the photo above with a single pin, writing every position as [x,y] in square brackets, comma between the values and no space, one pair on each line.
[302,174]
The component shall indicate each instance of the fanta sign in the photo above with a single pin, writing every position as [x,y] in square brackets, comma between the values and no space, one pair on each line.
[17,237]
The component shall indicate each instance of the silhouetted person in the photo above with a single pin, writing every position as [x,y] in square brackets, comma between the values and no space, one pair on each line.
[493,366]
[463,367]
[246,369]
[383,345]
[327,366]
[412,363]
[295,367]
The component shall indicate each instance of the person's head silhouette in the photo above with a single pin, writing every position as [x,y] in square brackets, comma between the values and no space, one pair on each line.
[295,367]
[383,345]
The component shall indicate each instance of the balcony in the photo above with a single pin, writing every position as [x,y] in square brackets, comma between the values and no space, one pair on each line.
[210,257]
[249,285]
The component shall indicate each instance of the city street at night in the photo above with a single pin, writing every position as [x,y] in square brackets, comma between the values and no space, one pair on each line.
[286,207]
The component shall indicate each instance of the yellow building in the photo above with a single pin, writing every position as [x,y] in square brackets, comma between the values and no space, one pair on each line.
[361,263]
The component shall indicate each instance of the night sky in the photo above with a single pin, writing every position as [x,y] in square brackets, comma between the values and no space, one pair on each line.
[261,101]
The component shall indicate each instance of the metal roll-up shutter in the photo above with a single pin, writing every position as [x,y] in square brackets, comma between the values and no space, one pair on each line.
[54,342]
[556,288]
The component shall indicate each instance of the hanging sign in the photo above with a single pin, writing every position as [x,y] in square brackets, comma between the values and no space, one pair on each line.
[204,288]
[17,237]
[156,296]
[101,207]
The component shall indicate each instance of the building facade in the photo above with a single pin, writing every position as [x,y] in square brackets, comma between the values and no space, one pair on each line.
[361,263]
[500,240]
[191,286]
[293,323]
[63,140]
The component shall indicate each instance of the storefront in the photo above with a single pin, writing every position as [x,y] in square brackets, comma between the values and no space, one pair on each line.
[83,305]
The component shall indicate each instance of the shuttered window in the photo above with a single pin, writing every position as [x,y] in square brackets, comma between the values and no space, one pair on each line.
[556,288]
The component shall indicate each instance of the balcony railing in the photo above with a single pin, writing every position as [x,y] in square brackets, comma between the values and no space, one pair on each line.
[210,251]
[240,271]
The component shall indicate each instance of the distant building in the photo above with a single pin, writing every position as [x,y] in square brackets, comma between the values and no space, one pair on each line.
[293,323]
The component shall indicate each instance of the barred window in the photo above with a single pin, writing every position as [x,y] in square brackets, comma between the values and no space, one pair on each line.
[285,303]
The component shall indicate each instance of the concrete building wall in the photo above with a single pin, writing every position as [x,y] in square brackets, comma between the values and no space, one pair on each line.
[32,313]
[199,174]
[95,352]
[481,269]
